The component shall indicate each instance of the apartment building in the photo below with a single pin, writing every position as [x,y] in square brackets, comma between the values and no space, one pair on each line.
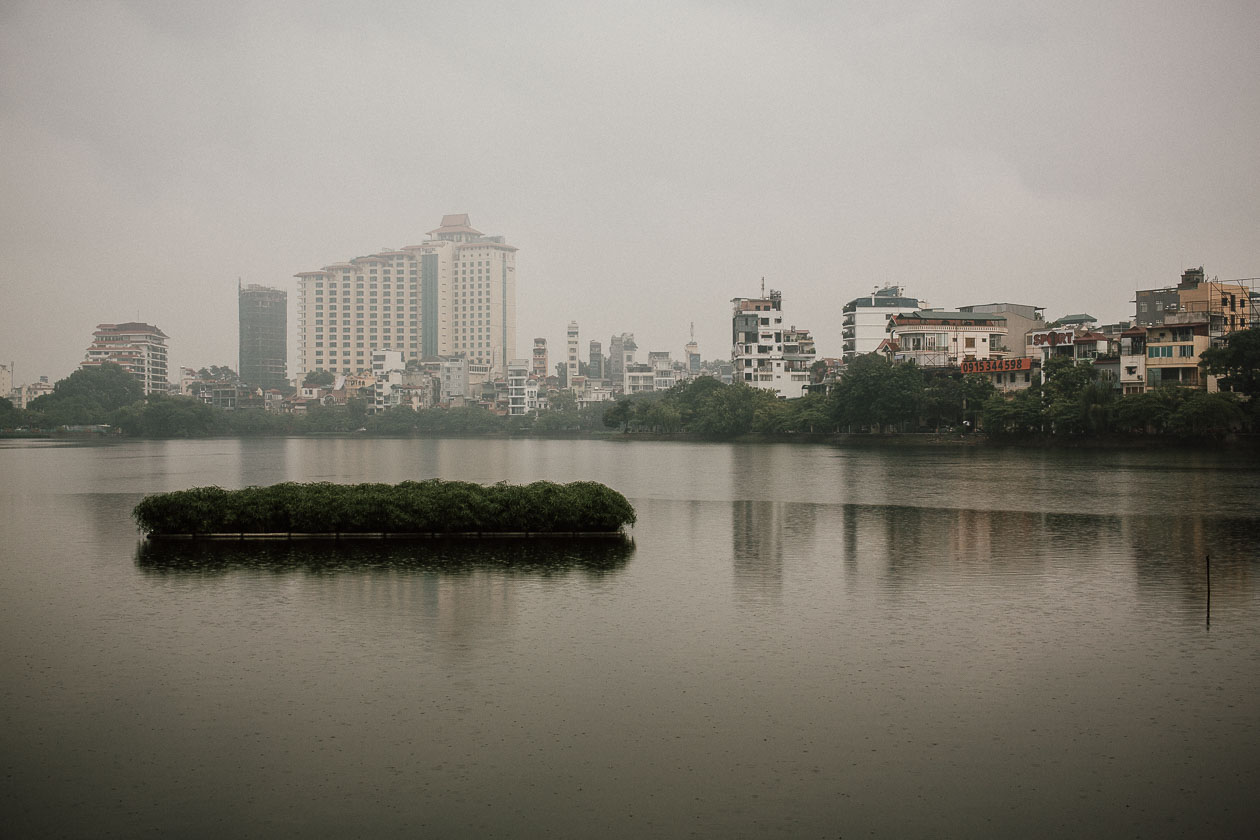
[864,324]
[936,338]
[452,295]
[138,348]
[768,351]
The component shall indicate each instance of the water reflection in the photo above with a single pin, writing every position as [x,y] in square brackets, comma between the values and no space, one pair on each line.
[536,557]
[1171,552]
[759,533]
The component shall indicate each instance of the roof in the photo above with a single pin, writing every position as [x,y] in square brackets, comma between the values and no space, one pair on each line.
[1079,318]
[934,316]
[455,223]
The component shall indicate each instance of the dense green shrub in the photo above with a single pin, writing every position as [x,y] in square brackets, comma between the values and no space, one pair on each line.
[432,506]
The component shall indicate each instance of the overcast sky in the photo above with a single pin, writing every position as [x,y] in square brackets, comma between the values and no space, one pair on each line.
[651,160]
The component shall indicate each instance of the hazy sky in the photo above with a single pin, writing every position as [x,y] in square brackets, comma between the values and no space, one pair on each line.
[651,160]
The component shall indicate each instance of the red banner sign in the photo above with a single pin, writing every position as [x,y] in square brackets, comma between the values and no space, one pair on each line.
[996,365]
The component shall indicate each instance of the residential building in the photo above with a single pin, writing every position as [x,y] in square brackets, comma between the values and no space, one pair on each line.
[638,378]
[1133,360]
[517,382]
[663,375]
[595,361]
[6,380]
[1228,305]
[621,350]
[452,295]
[936,338]
[385,363]
[769,352]
[263,336]
[571,358]
[138,348]
[864,323]
[1173,351]
[1021,319]
[539,358]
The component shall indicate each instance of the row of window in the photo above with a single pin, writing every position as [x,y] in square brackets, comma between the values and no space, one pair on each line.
[1165,351]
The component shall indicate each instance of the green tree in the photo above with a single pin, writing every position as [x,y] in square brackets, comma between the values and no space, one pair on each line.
[1236,361]
[89,395]
[1202,414]
[319,379]
[619,414]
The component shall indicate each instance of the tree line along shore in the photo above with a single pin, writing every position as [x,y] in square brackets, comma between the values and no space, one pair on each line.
[874,396]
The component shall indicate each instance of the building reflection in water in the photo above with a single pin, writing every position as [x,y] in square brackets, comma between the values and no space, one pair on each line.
[1170,554]
[761,534]
[457,593]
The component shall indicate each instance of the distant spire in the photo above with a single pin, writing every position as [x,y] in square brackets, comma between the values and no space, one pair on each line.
[763,286]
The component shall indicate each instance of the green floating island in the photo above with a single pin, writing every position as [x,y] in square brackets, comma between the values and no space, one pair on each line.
[410,509]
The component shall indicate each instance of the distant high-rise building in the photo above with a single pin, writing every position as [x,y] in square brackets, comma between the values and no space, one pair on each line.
[140,349]
[595,363]
[263,336]
[621,350]
[571,361]
[539,367]
[452,295]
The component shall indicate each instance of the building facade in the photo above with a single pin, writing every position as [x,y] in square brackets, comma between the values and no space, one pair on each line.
[767,351]
[935,338]
[138,348]
[571,355]
[595,361]
[1226,305]
[452,295]
[539,358]
[1021,319]
[864,324]
[263,336]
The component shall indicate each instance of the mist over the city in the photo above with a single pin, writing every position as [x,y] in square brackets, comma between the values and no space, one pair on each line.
[651,161]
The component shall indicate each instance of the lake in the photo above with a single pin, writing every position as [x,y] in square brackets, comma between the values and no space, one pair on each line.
[800,641]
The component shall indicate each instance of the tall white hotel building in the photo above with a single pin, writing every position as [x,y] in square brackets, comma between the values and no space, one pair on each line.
[452,295]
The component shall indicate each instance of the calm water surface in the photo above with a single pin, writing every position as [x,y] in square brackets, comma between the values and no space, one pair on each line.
[801,641]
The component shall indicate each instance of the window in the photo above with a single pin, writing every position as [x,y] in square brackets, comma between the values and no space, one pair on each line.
[969,343]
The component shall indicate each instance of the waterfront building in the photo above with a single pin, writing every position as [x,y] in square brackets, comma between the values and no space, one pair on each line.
[1227,305]
[385,363]
[540,358]
[263,336]
[140,349]
[1021,319]
[452,295]
[936,338]
[571,358]
[768,351]
[1133,360]
[1173,351]
[517,382]
[864,320]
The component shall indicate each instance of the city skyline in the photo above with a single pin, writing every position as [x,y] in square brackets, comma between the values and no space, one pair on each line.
[1057,157]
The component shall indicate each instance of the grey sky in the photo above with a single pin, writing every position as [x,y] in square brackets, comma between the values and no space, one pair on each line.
[650,160]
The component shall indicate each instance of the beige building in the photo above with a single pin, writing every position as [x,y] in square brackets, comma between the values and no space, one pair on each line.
[138,348]
[452,295]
